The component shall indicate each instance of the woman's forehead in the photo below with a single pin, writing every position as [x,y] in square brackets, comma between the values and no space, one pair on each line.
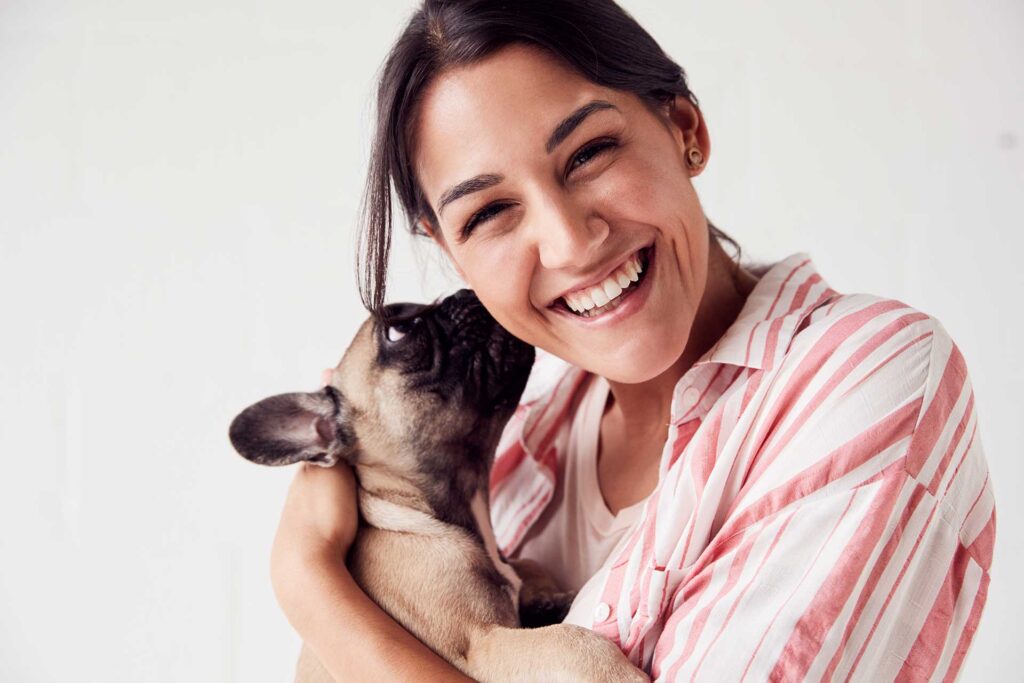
[502,107]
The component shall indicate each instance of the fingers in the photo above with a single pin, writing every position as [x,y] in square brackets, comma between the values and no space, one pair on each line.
[332,483]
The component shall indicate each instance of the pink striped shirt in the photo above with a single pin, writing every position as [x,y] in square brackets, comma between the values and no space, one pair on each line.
[823,509]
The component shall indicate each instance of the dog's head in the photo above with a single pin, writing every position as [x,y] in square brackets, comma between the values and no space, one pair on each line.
[421,390]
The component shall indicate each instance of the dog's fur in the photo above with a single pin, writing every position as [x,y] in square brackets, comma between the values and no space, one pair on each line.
[417,405]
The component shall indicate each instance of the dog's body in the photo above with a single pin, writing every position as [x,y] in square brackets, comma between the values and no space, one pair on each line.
[417,405]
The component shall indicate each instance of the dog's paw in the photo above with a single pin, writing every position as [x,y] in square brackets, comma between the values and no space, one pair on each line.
[601,661]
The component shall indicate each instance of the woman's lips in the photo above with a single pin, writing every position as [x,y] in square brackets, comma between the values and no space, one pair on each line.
[580,289]
[631,299]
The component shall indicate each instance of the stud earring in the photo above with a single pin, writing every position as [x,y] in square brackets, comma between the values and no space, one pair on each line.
[694,159]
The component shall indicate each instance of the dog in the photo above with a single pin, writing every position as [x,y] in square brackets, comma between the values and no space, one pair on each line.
[416,406]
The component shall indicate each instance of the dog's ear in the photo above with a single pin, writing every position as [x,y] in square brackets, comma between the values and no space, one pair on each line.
[313,427]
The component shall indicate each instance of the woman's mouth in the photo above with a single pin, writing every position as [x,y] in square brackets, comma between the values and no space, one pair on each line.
[618,288]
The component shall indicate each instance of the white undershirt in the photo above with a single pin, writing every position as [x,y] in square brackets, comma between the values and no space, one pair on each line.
[577,532]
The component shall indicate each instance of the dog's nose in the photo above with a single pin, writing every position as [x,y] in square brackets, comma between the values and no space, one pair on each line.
[465,295]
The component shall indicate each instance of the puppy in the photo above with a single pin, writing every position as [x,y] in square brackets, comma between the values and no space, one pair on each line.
[417,405]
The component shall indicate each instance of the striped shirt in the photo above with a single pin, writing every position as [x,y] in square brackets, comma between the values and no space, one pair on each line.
[823,509]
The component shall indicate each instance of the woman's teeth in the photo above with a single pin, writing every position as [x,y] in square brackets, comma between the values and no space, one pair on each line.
[595,300]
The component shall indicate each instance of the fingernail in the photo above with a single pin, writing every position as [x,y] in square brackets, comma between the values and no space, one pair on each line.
[325,377]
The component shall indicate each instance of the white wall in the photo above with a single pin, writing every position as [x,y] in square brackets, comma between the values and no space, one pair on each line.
[178,186]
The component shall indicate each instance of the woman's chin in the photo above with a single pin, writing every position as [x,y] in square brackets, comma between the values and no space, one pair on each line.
[631,363]
[631,354]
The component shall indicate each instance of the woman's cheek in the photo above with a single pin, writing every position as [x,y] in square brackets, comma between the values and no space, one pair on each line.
[629,191]
[499,272]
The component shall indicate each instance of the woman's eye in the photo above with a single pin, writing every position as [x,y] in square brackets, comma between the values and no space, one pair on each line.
[480,216]
[583,157]
[589,152]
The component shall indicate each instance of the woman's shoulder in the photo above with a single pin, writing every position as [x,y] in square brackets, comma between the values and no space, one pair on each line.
[872,391]
[869,369]
[856,328]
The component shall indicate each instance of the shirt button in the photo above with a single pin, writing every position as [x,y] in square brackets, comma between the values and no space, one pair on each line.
[602,612]
[690,397]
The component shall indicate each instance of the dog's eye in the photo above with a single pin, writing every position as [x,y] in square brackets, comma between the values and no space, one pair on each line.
[396,331]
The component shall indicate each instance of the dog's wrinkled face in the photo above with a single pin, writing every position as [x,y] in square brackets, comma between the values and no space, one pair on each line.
[422,390]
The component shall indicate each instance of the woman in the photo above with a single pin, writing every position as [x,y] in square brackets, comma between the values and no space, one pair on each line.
[743,472]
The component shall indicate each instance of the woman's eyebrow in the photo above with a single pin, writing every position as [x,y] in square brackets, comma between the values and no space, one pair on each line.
[563,130]
[474,184]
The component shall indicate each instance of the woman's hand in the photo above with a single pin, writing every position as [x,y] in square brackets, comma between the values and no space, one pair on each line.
[351,636]
[320,515]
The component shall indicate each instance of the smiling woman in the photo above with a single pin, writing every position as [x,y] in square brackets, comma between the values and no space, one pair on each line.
[570,194]
[743,473]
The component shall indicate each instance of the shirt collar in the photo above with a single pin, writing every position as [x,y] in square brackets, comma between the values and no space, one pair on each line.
[761,334]
[787,292]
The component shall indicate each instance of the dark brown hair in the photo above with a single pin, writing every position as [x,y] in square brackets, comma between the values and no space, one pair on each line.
[596,37]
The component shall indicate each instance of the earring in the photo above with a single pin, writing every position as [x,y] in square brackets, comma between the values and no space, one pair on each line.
[694,159]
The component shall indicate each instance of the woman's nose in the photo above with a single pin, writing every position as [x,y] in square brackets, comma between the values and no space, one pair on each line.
[567,237]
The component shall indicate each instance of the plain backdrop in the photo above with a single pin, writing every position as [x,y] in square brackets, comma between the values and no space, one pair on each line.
[179,184]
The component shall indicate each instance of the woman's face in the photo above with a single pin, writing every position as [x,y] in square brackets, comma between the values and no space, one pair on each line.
[558,206]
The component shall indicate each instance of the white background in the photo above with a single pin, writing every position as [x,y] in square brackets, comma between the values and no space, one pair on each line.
[179,184]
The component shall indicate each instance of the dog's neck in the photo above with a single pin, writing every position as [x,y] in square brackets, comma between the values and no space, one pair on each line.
[395,502]
[385,513]
[388,504]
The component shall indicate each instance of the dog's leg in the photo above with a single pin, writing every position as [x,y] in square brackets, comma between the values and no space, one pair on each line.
[561,653]
[541,601]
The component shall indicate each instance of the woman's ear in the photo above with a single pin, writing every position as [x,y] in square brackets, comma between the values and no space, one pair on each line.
[690,130]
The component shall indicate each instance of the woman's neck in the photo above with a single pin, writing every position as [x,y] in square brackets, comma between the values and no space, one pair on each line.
[643,409]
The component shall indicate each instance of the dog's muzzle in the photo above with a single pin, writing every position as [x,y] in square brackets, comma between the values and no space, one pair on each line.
[457,346]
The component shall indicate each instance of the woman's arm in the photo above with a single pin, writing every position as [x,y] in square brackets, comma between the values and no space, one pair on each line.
[863,545]
[352,636]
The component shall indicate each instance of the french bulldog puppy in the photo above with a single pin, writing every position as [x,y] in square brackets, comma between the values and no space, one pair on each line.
[417,405]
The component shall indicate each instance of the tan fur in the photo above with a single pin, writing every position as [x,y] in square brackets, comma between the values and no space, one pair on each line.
[430,576]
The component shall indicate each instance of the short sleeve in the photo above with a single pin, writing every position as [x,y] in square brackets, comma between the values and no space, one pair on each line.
[861,543]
